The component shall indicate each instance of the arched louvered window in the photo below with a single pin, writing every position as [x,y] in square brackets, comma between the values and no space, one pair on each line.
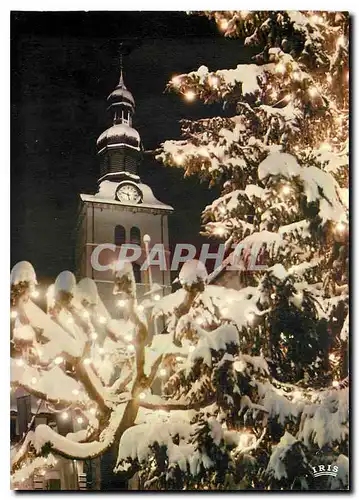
[135,235]
[120,235]
[137,272]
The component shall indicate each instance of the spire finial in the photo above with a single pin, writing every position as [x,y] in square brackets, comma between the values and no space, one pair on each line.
[121,69]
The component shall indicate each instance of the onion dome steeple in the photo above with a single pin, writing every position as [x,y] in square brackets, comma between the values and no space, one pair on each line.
[120,145]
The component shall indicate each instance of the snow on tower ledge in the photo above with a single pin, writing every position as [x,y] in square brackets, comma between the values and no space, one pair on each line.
[107,194]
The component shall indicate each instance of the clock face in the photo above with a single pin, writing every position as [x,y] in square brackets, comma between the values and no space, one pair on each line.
[127,192]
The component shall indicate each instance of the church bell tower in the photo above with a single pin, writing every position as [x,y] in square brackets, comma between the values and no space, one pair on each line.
[124,209]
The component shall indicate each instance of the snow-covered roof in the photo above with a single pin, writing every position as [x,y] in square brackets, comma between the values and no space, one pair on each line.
[120,134]
[107,193]
[122,92]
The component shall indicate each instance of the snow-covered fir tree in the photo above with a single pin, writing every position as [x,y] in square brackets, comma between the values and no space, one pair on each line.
[281,161]
[245,389]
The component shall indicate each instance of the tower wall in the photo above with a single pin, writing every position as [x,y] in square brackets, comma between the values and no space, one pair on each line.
[98,227]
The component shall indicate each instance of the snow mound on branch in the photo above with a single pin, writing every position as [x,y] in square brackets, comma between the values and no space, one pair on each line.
[167,304]
[87,290]
[278,405]
[341,480]
[44,434]
[24,333]
[317,184]
[277,463]
[193,271]
[137,441]
[345,329]
[23,271]
[279,164]
[54,383]
[215,340]
[278,271]
[326,421]
[65,282]
[60,340]
[246,363]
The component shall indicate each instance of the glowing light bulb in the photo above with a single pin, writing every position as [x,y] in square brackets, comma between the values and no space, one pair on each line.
[75,392]
[325,147]
[286,189]
[250,317]
[341,41]
[87,361]
[280,68]
[316,19]
[142,396]
[34,380]
[163,372]
[335,383]
[220,231]
[178,159]
[64,415]
[121,303]
[80,420]
[223,24]
[213,81]
[102,320]
[13,314]
[130,348]
[157,296]
[19,362]
[58,360]
[223,209]
[94,336]
[176,80]
[35,294]
[340,227]
[190,95]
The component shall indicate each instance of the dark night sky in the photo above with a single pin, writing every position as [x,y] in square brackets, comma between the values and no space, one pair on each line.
[63,67]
